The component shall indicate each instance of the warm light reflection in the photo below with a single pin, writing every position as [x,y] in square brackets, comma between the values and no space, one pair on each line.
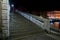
[57,14]
[53,14]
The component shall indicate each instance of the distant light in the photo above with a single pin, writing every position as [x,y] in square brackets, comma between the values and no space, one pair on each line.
[12,5]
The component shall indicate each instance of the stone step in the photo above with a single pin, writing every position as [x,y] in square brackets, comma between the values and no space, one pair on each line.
[54,32]
[20,27]
[57,37]
[37,36]
[24,34]
[16,29]
[19,38]
[24,30]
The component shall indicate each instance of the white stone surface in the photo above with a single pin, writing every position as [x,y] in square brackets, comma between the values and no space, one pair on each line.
[4,1]
[5,32]
[5,17]
[5,25]
[4,14]
[4,6]
[5,21]
[4,11]
[5,28]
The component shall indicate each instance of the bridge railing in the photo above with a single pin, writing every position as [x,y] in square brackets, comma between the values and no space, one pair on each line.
[41,22]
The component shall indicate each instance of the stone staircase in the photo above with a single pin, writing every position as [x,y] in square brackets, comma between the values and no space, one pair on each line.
[23,29]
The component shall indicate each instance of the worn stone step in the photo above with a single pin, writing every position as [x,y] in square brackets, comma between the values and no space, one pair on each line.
[24,34]
[20,31]
[20,27]
[37,36]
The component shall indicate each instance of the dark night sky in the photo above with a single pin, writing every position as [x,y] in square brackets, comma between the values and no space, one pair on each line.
[37,4]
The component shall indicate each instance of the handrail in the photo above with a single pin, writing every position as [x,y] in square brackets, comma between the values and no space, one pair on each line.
[36,17]
[42,22]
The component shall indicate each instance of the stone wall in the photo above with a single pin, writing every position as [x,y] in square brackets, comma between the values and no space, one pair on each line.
[0,16]
[5,17]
